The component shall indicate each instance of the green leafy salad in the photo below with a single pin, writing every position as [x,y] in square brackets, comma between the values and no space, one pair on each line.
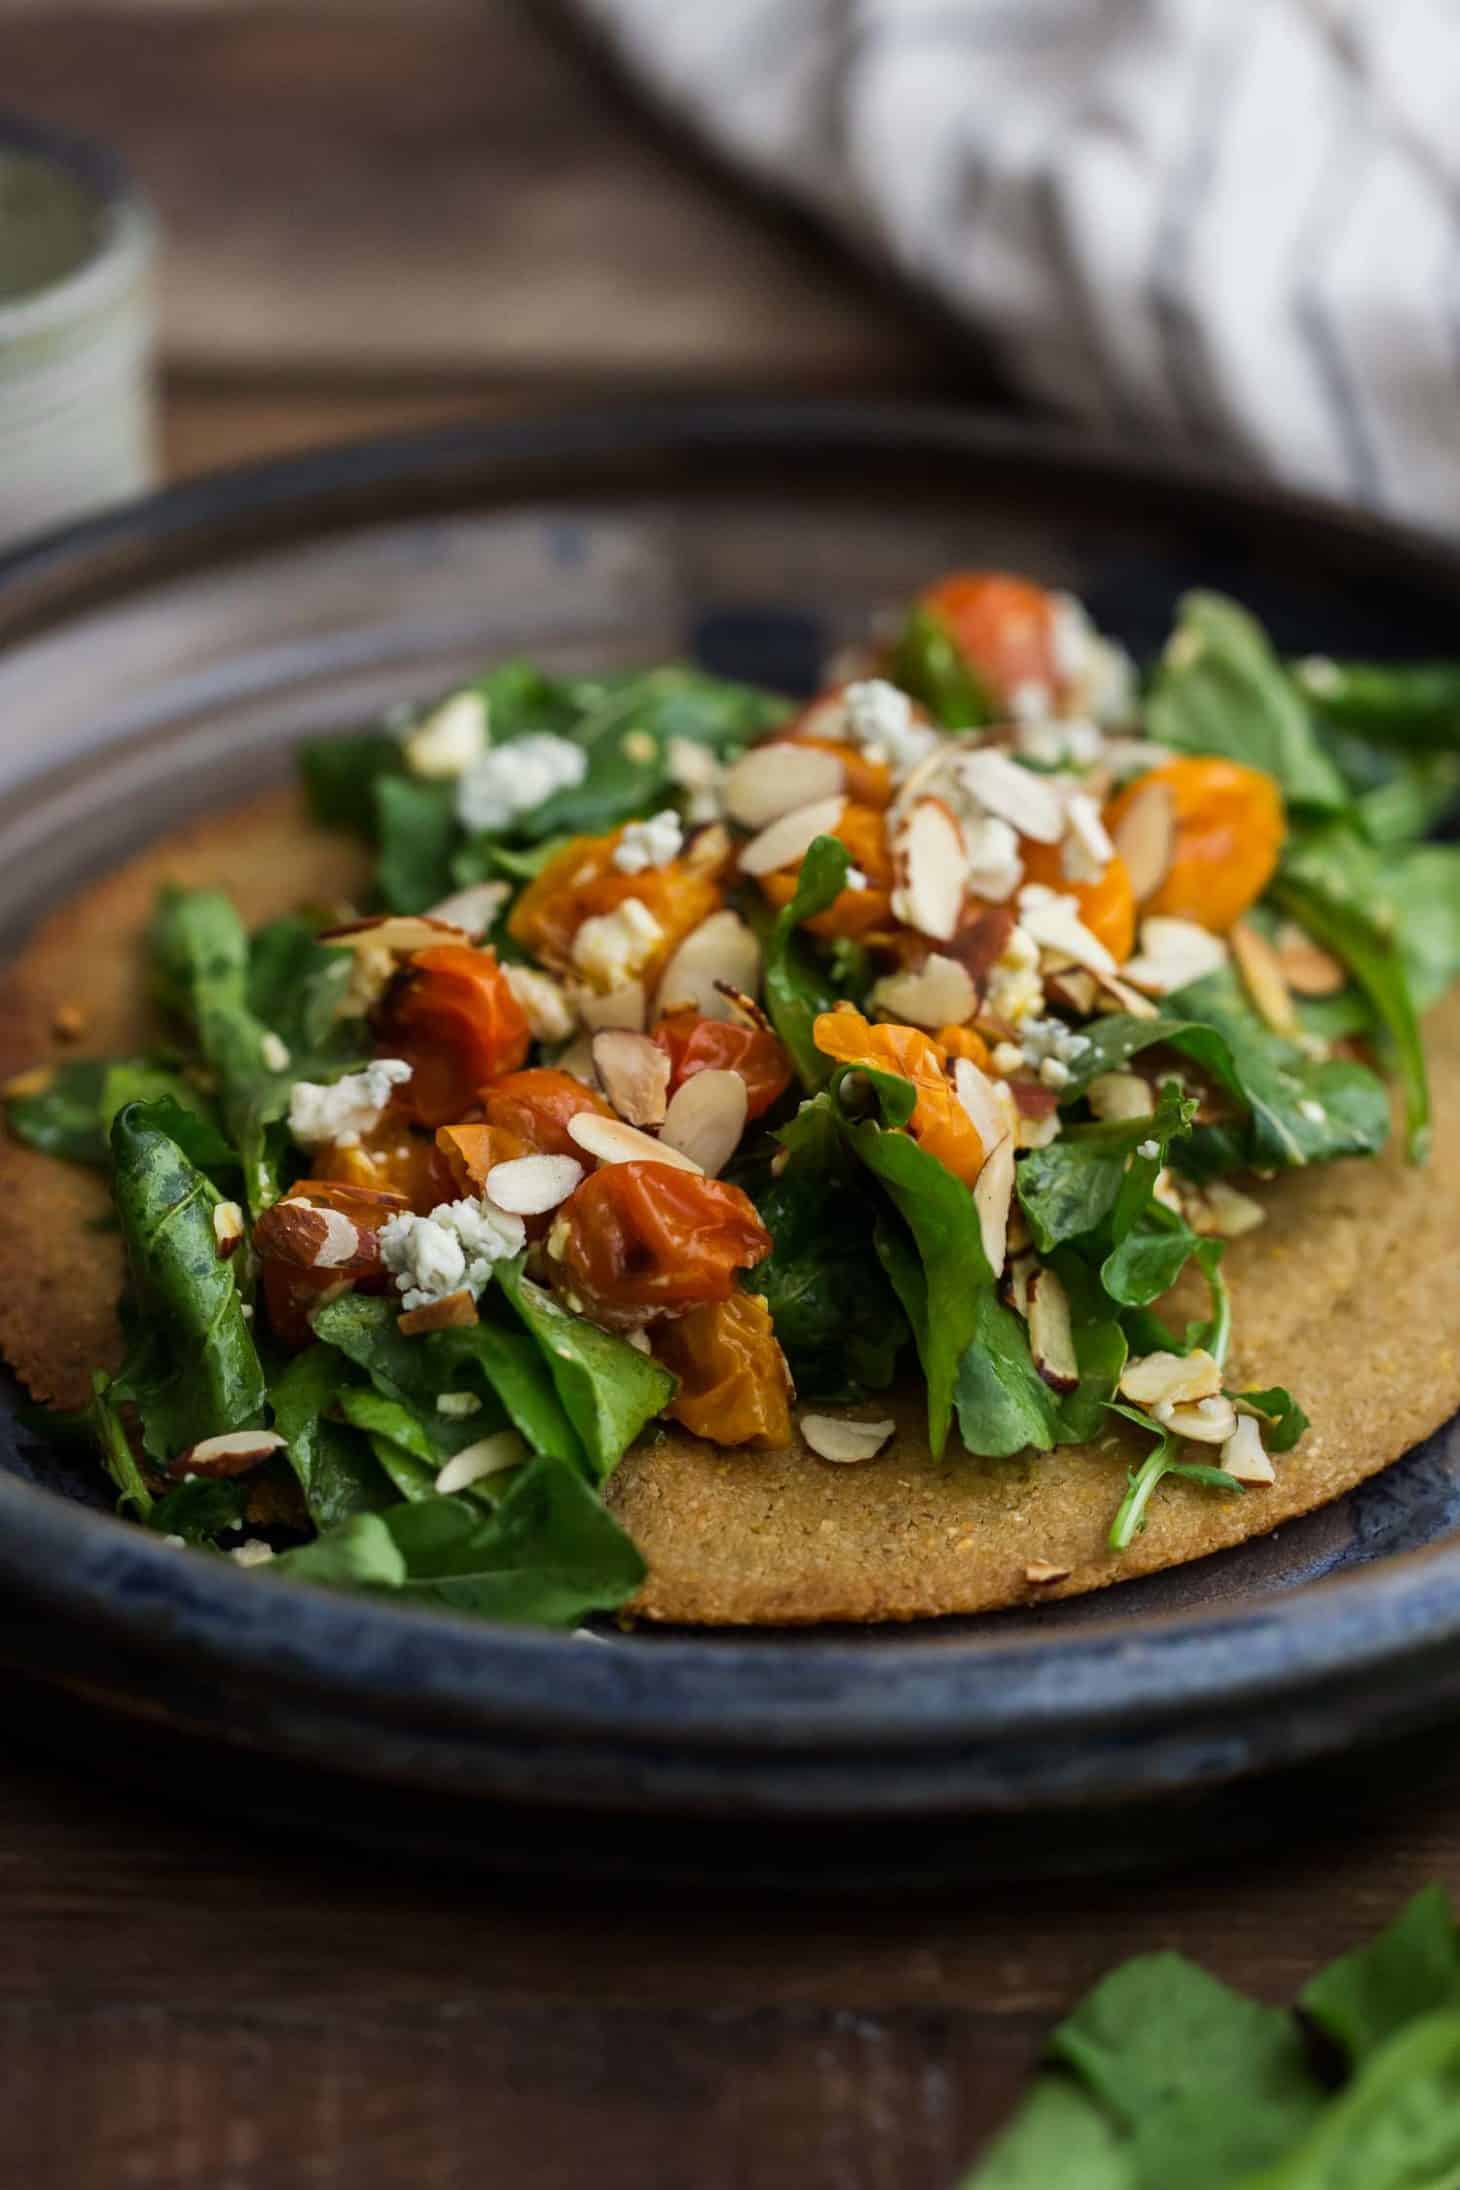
[699,1065]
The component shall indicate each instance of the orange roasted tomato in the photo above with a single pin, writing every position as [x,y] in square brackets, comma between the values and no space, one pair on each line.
[537,1105]
[822,723]
[321,1239]
[852,912]
[1107,907]
[392,1158]
[939,1122]
[580,882]
[469,1152]
[454,1019]
[1229,831]
[637,1241]
[1004,628]
[693,1044]
[734,1387]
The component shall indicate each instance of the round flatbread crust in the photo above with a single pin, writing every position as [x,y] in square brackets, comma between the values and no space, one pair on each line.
[1349,1295]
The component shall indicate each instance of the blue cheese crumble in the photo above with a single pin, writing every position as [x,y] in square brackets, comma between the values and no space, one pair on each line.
[515,779]
[450,1251]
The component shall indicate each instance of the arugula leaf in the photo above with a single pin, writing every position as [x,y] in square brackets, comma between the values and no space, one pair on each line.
[1393,703]
[399,1438]
[1397,2127]
[296,985]
[1059,2140]
[1004,1404]
[797,989]
[1411,1969]
[409,1371]
[835,1316]
[608,1389]
[340,776]
[117,1455]
[336,1472]
[1071,1187]
[417,831]
[201,1510]
[1283,1420]
[72,1114]
[548,1554]
[1162,1460]
[929,663]
[1221,689]
[511,1366]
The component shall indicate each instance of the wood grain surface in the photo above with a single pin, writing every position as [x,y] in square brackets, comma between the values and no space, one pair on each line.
[380,215]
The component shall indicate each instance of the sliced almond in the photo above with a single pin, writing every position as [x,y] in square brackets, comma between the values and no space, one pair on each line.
[834,1438]
[448,740]
[341,1242]
[547,1006]
[719,955]
[1308,968]
[1166,1379]
[743,1007]
[232,1454]
[1040,1573]
[787,841]
[488,1456]
[311,1235]
[706,1119]
[399,933]
[1208,1421]
[1263,977]
[1013,794]
[1220,1211]
[633,1073]
[473,909]
[1118,995]
[1244,1455]
[708,850]
[1052,919]
[1075,987]
[528,1186]
[1145,838]
[1051,1340]
[1173,952]
[772,780]
[941,993]
[625,1006]
[993,1191]
[980,1098]
[931,862]
[577,1060]
[1117,1097]
[609,1140]
[227,1228]
[1016,1283]
[452,1312]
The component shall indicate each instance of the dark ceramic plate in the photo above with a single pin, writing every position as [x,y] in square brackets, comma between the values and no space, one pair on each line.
[163,661]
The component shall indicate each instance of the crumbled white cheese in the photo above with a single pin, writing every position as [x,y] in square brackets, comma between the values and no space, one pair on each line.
[451,1249]
[546,1004]
[1053,1073]
[1007,1058]
[855,879]
[1148,1151]
[1050,1042]
[341,1112]
[274,1053]
[995,869]
[1030,701]
[694,770]
[613,947]
[1087,850]
[456,1406]
[1014,990]
[513,779]
[880,720]
[1059,744]
[651,843]
[253,1551]
[451,738]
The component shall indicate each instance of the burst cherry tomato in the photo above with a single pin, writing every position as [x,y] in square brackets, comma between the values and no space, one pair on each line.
[1228,832]
[693,1044]
[454,1019]
[641,1240]
[734,1387]
[1004,628]
[304,1259]
[536,1105]
[580,882]
[939,1122]
[1107,907]
[852,912]
[392,1158]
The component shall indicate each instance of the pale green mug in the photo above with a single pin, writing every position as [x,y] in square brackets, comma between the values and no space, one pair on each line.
[77,330]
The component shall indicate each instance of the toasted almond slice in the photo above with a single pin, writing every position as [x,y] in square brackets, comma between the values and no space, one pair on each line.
[1263,977]
[1145,838]
[1016,1283]
[399,933]
[1220,1211]
[1013,794]
[706,1119]
[1118,995]
[993,1190]
[625,1006]
[1040,1573]
[931,862]
[941,993]
[232,1454]
[980,1099]
[634,1075]
[1208,1421]
[708,850]
[577,1059]
[743,1007]
[1116,1097]
[341,1242]
[720,954]
[547,1006]
[452,1312]
[1050,1338]
[845,1442]
[788,839]
[446,742]
[1166,1379]
[1172,953]
[528,1186]
[1052,918]
[611,1141]
[1244,1455]
[1073,986]
[473,909]
[771,780]
[227,1228]
[1308,968]
[488,1456]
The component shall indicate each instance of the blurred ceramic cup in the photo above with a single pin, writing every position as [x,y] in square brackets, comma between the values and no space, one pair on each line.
[77,405]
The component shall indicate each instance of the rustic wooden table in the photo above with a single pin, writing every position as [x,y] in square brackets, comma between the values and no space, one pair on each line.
[380,215]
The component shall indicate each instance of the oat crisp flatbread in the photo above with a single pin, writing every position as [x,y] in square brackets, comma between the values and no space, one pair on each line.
[1350,1293]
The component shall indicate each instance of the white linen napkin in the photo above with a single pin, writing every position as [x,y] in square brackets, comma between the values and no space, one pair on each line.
[1229,224]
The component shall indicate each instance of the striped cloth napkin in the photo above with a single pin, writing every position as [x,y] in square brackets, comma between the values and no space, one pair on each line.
[1232,225]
